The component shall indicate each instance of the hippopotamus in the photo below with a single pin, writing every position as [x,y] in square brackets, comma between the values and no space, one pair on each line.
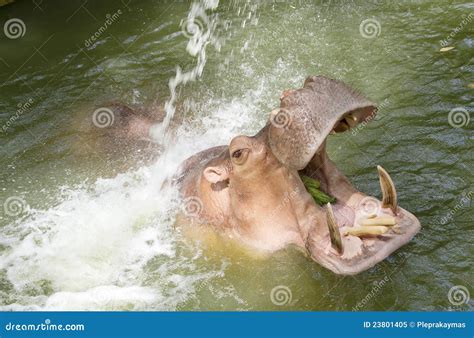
[252,189]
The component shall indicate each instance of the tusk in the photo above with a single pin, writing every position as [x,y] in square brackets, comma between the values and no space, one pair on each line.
[389,193]
[334,233]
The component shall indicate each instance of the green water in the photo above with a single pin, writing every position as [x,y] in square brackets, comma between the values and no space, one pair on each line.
[95,232]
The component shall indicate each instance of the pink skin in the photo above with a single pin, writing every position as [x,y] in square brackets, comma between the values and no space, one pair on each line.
[266,206]
[252,191]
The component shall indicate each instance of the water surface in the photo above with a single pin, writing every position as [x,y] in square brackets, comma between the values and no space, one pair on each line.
[91,228]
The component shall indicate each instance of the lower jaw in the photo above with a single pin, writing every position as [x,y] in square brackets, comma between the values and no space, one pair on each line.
[351,205]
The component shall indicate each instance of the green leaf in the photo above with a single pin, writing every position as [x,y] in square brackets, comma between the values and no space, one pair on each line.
[312,186]
[310,182]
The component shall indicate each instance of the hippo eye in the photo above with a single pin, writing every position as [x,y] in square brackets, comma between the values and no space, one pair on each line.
[240,156]
[237,153]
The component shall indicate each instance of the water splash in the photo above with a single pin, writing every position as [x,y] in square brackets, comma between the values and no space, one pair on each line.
[97,248]
[199,27]
[112,244]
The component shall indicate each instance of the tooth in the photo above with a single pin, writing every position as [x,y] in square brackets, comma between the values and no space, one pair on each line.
[389,199]
[379,221]
[334,233]
[351,120]
[342,126]
[373,230]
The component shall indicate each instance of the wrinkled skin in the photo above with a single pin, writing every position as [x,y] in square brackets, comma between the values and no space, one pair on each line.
[251,190]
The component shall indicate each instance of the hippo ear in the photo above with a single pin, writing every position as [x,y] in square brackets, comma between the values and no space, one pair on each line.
[306,116]
[216,174]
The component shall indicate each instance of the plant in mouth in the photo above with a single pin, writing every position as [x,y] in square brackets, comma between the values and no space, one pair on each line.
[313,187]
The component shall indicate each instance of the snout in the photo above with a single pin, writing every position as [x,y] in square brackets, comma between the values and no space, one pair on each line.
[307,116]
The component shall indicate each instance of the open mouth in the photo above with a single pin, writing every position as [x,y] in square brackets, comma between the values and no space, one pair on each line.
[360,230]
[356,231]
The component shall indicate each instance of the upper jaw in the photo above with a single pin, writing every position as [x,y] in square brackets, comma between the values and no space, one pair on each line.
[307,115]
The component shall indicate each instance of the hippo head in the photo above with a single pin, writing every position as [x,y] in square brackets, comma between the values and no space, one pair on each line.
[254,190]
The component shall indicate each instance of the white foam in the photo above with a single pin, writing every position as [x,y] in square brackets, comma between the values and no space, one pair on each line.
[107,297]
[93,247]
[87,239]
